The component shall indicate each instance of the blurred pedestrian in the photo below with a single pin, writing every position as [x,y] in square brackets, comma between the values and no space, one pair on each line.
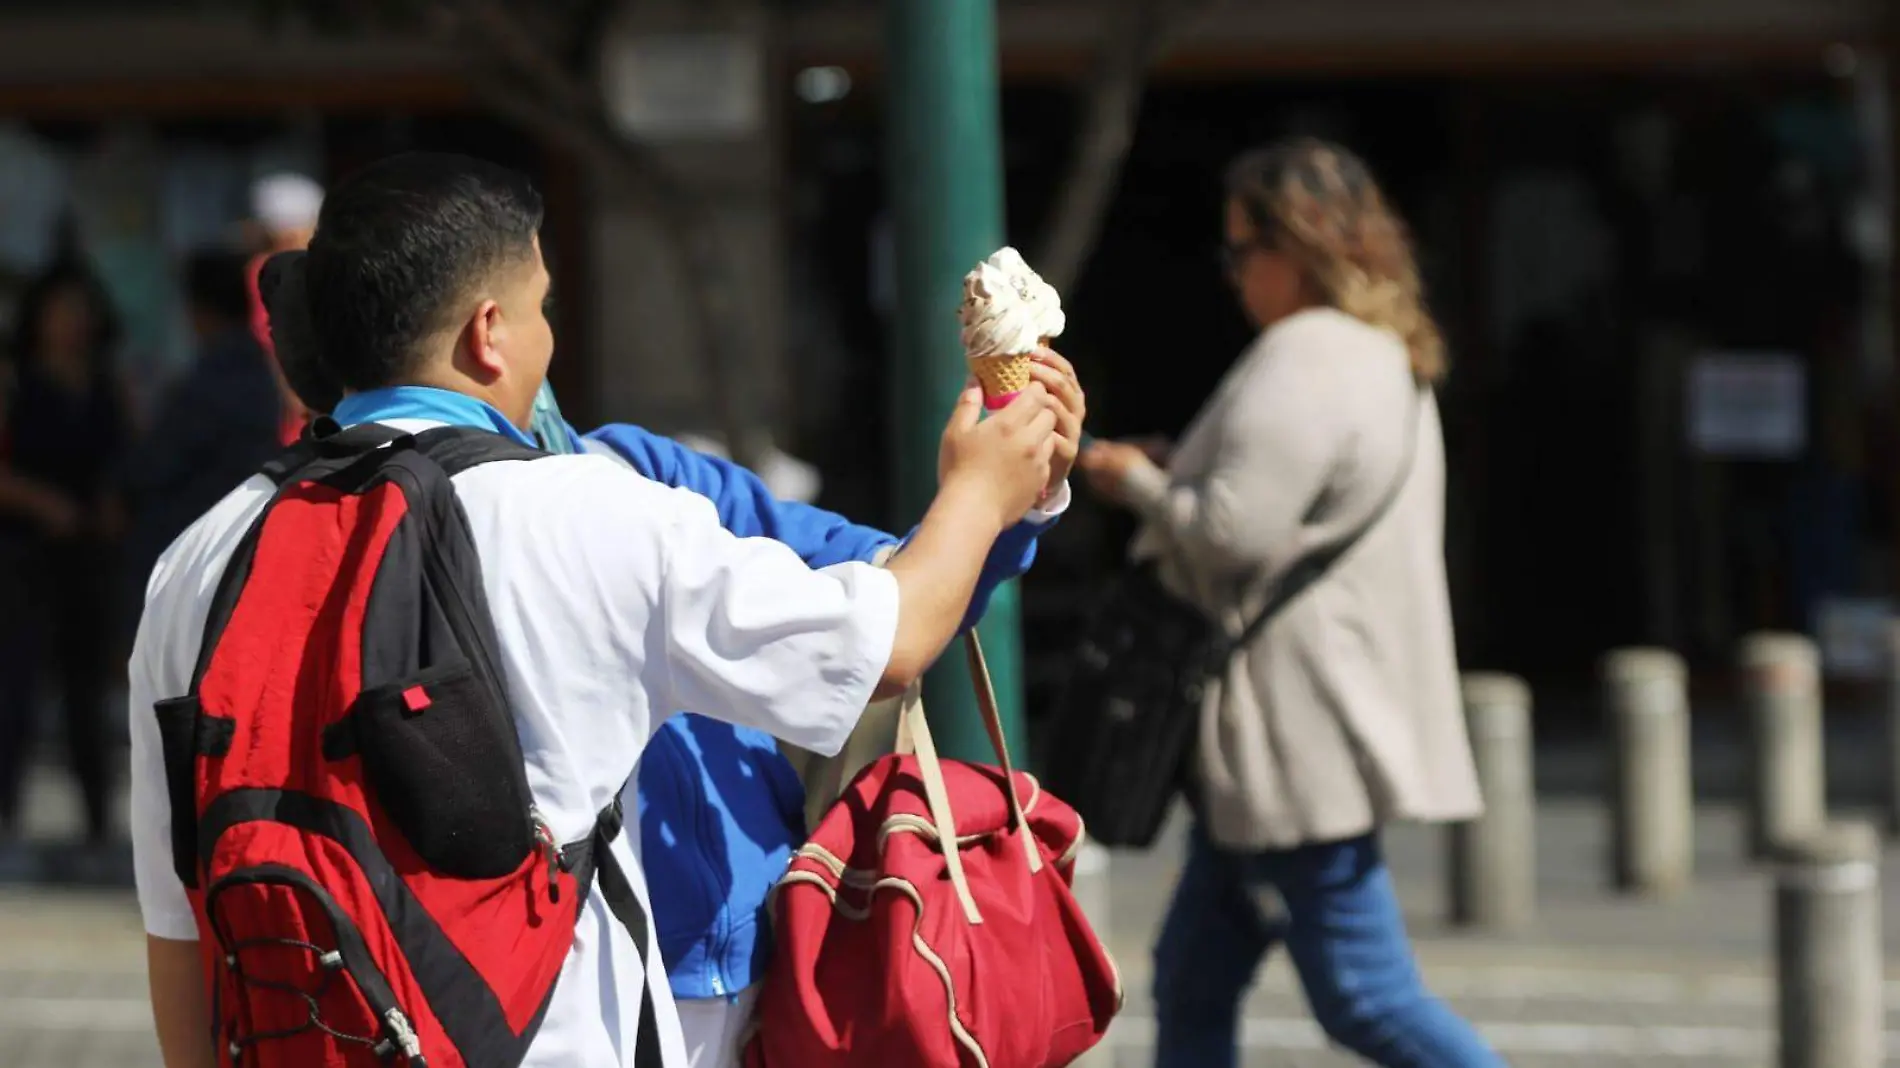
[216,426]
[293,337]
[66,429]
[1343,713]
[285,208]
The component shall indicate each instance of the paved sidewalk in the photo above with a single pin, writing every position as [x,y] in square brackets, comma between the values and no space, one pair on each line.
[1602,981]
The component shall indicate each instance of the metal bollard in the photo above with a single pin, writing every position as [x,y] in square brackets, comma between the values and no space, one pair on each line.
[1828,954]
[1893,728]
[1652,801]
[1781,680]
[1090,883]
[1493,865]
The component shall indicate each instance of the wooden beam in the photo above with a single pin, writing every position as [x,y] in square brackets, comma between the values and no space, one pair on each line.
[212,97]
[1057,38]
[1407,58]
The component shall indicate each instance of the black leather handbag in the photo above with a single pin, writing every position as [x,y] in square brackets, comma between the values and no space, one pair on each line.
[1124,726]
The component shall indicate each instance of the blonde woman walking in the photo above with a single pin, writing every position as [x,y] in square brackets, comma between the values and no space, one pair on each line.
[1343,713]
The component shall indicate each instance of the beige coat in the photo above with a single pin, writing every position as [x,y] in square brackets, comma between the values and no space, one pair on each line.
[1345,712]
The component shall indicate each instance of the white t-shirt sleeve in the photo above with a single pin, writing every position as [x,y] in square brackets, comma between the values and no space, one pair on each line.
[162,902]
[756,637]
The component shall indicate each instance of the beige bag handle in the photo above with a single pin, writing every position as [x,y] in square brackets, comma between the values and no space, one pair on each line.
[913,738]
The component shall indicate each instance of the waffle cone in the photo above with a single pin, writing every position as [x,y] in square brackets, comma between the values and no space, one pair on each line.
[1002,375]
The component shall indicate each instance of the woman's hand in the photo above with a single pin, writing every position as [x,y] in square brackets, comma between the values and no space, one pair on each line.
[1157,447]
[1107,466]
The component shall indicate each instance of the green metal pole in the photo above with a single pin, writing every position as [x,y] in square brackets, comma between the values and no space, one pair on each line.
[946,191]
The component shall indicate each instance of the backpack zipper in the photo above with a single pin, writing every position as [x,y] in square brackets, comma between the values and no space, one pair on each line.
[404,1037]
[545,835]
[461,623]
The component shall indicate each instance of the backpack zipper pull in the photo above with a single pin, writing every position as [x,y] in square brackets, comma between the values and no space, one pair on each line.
[405,1038]
[545,835]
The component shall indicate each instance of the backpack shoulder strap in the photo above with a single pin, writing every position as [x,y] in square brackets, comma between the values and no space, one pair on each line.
[1304,573]
[328,452]
[324,439]
[455,449]
[593,862]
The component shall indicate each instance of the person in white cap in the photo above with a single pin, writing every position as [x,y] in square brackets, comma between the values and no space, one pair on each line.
[285,208]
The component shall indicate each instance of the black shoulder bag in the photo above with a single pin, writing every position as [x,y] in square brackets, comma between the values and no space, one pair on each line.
[1125,724]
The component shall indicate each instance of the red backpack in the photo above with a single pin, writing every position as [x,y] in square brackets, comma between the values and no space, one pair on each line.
[892,950]
[350,809]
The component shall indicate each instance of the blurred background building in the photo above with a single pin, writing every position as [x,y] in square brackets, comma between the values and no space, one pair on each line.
[1659,235]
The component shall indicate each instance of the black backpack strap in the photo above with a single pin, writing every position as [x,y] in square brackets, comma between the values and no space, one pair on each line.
[591,859]
[1314,567]
[455,449]
[330,452]
[626,907]
[308,448]
[295,456]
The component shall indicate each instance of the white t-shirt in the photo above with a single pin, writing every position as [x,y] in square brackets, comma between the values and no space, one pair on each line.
[615,599]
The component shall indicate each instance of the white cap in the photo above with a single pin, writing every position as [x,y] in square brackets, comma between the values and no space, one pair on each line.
[286,202]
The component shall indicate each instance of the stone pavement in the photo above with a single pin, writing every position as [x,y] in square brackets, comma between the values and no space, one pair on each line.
[1601,981]
[72,981]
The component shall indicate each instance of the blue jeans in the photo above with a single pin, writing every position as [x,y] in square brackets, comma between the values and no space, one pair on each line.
[1344,930]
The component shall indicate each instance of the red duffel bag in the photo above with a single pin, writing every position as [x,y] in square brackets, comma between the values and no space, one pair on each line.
[893,951]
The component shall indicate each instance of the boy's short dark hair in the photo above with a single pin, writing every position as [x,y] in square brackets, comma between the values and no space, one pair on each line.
[398,245]
[215,284]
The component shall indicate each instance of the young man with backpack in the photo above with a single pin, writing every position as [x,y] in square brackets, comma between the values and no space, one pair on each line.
[721,808]
[386,694]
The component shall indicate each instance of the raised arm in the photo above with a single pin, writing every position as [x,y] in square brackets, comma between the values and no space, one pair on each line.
[746,507]
[751,634]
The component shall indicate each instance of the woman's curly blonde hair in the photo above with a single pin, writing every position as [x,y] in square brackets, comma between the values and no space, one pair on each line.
[1317,202]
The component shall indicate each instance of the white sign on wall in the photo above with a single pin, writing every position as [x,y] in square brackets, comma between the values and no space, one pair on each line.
[1748,406]
[685,86]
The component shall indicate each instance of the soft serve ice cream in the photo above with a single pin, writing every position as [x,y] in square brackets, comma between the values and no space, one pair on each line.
[1008,312]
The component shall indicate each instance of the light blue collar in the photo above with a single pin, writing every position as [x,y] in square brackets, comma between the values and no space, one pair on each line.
[425,402]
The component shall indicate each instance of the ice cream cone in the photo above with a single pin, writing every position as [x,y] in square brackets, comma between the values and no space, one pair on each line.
[1008,313]
[1001,376]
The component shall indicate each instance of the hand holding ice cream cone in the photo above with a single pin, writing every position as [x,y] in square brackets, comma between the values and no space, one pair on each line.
[1003,460]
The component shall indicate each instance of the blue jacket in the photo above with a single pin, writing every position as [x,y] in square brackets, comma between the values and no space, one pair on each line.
[720,808]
